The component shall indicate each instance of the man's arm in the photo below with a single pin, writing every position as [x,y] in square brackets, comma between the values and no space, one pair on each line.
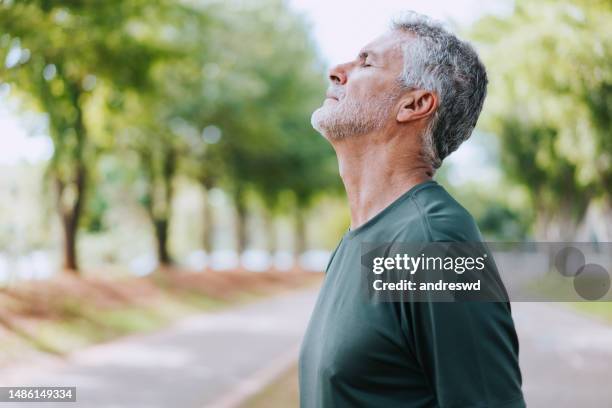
[468,352]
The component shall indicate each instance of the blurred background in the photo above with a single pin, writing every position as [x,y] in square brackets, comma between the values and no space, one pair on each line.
[157,164]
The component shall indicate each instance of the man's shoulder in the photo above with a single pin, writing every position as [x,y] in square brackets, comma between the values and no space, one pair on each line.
[442,218]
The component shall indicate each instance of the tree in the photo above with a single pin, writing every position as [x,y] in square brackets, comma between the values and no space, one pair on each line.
[58,54]
[273,86]
[254,109]
[160,124]
[550,102]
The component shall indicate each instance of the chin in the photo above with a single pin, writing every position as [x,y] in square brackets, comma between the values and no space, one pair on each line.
[317,120]
[325,121]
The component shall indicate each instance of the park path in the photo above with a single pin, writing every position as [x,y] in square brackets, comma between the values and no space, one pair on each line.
[209,360]
[212,360]
[565,356]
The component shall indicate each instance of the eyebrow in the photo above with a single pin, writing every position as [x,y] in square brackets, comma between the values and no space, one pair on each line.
[367,53]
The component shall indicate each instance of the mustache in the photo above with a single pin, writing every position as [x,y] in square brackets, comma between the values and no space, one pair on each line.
[335,92]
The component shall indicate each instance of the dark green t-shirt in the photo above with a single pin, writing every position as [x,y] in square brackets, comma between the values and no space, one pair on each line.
[358,353]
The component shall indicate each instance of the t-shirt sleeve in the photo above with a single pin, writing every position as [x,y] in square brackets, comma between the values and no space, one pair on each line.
[468,352]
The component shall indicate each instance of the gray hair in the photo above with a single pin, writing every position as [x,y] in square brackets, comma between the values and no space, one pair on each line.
[438,61]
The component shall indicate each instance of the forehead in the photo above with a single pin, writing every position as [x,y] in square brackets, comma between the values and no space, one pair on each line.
[387,47]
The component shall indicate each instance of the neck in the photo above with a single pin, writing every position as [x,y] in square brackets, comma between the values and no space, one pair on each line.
[376,170]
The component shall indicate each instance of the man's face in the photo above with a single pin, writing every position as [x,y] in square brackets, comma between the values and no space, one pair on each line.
[363,92]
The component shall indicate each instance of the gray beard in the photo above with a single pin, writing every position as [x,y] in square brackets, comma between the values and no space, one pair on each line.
[346,119]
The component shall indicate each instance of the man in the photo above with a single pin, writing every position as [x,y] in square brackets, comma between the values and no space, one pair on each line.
[392,115]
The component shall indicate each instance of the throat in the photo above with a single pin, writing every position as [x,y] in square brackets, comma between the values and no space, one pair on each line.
[373,183]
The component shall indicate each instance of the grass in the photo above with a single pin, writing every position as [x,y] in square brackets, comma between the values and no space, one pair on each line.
[555,288]
[281,393]
[67,313]
[602,310]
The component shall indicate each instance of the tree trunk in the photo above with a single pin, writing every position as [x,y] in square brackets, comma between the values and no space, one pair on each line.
[560,224]
[606,235]
[70,214]
[162,221]
[300,233]
[158,200]
[271,241]
[161,235]
[241,227]
[208,233]
[70,263]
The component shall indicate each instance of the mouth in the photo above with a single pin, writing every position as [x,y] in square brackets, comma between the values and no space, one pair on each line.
[330,96]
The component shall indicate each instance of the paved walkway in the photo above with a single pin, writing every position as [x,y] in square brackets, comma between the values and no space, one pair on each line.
[191,364]
[566,357]
[213,360]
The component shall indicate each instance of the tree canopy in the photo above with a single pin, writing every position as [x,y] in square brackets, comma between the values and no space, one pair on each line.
[550,102]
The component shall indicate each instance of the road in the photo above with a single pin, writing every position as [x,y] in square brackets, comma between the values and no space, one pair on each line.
[213,360]
[565,356]
[207,360]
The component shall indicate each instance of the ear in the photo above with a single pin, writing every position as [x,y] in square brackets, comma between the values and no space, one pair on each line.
[416,104]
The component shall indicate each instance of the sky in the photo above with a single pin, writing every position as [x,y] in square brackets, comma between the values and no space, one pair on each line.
[340,29]
[19,140]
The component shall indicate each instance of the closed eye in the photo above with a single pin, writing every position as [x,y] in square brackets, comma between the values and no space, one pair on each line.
[363,56]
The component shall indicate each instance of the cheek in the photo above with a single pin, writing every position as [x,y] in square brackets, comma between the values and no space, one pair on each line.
[367,86]
[359,88]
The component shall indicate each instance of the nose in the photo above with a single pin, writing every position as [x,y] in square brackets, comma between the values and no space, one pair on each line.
[337,74]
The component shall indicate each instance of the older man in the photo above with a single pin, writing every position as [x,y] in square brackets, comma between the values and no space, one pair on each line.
[408,100]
